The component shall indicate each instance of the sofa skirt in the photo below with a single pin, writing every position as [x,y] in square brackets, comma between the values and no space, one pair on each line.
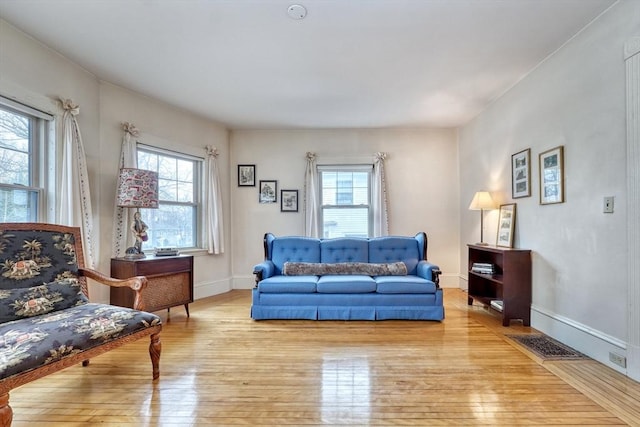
[371,306]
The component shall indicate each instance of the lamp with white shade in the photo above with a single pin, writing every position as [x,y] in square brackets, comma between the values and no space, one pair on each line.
[482,201]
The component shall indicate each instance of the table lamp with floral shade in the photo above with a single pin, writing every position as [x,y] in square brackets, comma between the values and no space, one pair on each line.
[137,188]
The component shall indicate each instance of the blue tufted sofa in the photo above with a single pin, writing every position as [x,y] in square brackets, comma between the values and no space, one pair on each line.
[347,279]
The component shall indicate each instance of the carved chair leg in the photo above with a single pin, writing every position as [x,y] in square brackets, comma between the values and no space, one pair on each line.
[155,347]
[6,413]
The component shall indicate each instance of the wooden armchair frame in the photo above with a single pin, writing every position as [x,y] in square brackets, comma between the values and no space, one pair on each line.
[137,284]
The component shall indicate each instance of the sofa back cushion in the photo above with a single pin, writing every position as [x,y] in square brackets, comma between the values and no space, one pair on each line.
[32,257]
[343,249]
[393,249]
[296,249]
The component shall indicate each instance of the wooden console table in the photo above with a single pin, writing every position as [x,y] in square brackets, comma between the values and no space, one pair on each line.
[170,281]
[510,282]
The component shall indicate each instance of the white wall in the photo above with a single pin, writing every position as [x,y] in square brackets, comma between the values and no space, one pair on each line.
[576,98]
[422,180]
[163,126]
[33,74]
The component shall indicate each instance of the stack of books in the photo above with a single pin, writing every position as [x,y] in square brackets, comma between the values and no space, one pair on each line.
[167,251]
[483,268]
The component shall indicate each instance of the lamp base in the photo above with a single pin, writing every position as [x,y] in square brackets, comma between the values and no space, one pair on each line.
[482,244]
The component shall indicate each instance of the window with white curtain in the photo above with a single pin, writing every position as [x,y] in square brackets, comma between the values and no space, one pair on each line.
[23,162]
[345,200]
[176,222]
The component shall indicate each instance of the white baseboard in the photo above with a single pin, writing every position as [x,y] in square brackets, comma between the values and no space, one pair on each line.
[244,282]
[449,281]
[591,342]
[207,289]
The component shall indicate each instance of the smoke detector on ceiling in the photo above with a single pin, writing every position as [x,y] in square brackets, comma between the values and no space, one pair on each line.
[297,11]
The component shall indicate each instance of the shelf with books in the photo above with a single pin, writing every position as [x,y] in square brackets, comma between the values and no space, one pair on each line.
[510,281]
[493,277]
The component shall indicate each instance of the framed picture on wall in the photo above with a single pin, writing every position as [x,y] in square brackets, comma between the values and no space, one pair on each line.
[288,200]
[268,191]
[506,225]
[552,176]
[246,175]
[521,174]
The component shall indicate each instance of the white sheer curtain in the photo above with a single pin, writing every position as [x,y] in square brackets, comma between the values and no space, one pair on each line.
[213,204]
[128,159]
[379,196]
[311,226]
[74,207]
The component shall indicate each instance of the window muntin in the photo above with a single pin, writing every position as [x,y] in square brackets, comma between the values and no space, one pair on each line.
[22,142]
[345,205]
[176,221]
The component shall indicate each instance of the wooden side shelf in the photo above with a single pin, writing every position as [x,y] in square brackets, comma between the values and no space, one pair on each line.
[510,283]
[170,281]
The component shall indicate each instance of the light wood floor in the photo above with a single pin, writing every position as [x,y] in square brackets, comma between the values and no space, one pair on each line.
[221,368]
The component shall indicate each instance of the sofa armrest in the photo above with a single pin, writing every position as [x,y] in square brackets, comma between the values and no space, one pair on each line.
[264,270]
[137,284]
[429,271]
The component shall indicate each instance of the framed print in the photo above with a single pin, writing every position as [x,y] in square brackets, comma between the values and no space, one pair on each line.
[288,200]
[506,225]
[552,176]
[268,191]
[246,175]
[521,174]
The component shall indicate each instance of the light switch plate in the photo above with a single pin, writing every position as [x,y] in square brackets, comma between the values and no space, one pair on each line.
[608,204]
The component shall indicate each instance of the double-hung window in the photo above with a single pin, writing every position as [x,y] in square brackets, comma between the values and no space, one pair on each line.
[176,222]
[23,162]
[345,200]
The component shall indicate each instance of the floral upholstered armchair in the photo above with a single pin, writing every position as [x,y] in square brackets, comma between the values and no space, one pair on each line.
[47,322]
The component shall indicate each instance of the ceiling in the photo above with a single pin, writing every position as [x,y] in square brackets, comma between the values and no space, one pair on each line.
[347,64]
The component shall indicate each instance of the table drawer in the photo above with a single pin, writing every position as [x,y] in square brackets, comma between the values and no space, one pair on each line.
[163,266]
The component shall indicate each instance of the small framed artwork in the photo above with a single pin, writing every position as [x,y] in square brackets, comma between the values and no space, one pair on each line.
[521,174]
[288,200]
[268,191]
[506,225]
[552,176]
[246,175]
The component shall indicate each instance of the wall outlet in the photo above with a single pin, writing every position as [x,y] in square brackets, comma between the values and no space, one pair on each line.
[618,360]
[608,204]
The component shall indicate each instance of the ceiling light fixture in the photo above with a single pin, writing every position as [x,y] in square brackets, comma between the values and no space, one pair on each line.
[297,11]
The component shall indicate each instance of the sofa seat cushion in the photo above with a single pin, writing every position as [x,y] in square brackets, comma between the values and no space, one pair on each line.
[353,284]
[29,343]
[404,285]
[288,284]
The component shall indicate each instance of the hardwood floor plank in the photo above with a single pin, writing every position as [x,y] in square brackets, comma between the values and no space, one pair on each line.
[219,367]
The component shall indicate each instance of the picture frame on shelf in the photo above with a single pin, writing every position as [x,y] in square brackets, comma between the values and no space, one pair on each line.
[268,191]
[551,166]
[246,175]
[288,200]
[521,174]
[506,225]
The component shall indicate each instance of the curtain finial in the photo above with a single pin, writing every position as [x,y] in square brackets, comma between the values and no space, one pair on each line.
[130,129]
[212,151]
[380,156]
[310,156]
[70,106]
